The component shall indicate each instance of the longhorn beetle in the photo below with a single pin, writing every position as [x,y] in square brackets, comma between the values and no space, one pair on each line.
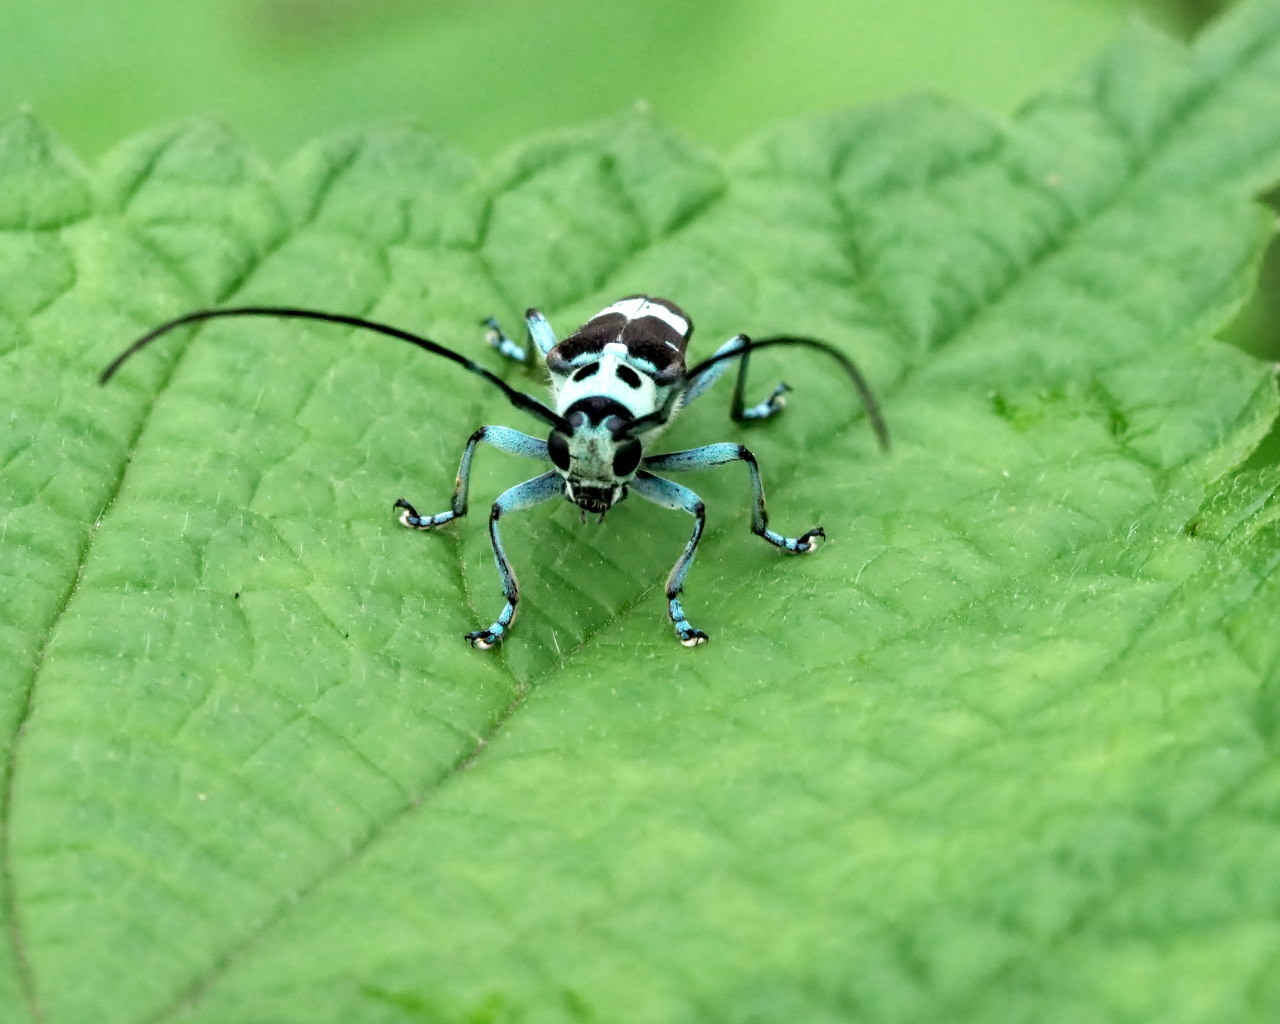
[618,381]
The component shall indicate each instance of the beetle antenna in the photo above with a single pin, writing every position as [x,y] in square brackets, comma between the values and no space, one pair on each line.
[663,415]
[517,398]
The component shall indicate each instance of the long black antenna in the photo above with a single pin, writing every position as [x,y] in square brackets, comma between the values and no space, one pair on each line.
[517,398]
[657,419]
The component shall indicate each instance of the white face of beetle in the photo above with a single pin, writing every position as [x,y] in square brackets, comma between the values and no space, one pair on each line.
[609,375]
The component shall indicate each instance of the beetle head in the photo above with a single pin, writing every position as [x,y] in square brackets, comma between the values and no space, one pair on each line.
[596,456]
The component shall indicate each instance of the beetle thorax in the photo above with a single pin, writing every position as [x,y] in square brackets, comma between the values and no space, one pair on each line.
[612,374]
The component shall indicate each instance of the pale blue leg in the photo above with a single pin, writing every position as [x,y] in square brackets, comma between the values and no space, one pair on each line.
[540,331]
[672,495]
[739,411]
[504,439]
[717,455]
[499,339]
[717,371]
[521,496]
[772,405]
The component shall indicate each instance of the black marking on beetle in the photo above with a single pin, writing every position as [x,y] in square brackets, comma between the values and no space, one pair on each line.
[646,337]
[628,376]
[596,409]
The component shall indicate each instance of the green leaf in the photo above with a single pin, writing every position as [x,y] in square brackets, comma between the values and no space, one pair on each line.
[1004,749]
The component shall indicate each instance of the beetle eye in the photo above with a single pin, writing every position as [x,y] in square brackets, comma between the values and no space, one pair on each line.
[558,449]
[626,460]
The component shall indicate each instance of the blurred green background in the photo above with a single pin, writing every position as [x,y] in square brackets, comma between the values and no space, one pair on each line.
[484,73]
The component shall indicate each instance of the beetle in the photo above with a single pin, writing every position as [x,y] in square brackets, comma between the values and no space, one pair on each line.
[617,382]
